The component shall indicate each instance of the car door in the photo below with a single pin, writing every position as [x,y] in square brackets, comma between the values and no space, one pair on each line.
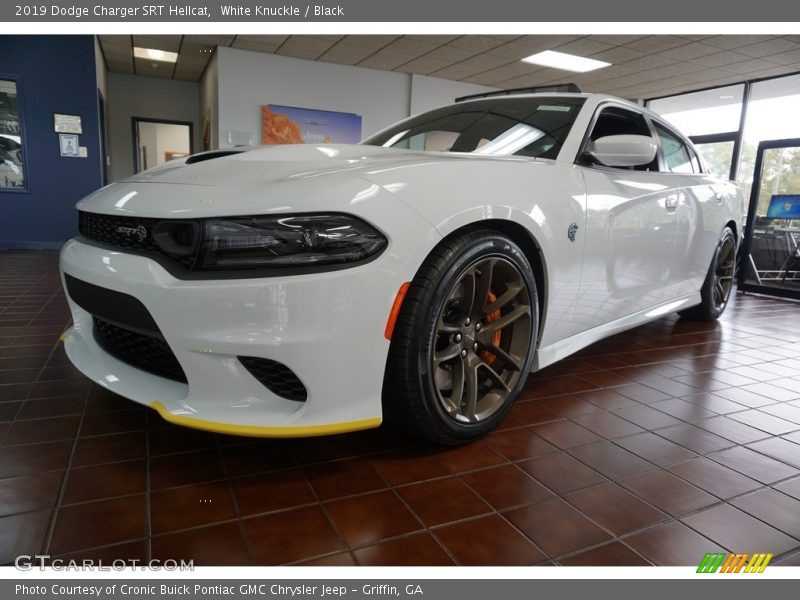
[633,227]
[700,211]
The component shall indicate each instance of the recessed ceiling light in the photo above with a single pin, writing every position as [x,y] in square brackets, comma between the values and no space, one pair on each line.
[153,54]
[565,62]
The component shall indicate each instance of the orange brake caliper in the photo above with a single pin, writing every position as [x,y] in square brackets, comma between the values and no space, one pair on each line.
[485,355]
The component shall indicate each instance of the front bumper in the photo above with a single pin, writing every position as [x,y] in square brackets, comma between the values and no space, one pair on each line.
[326,327]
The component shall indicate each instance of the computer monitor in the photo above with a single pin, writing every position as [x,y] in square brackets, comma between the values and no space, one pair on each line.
[784,206]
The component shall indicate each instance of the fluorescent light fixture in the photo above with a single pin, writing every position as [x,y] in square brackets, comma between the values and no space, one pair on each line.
[153,54]
[565,62]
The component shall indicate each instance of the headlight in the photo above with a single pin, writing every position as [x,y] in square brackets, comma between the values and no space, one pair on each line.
[286,241]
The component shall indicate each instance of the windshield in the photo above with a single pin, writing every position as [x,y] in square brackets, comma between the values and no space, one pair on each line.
[533,126]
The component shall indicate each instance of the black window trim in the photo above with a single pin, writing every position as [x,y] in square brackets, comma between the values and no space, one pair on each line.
[650,120]
[684,139]
[583,148]
[26,188]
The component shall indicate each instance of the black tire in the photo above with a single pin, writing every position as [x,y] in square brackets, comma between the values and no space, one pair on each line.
[494,353]
[718,283]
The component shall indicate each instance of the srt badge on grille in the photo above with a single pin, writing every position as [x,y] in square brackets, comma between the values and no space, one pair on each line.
[133,233]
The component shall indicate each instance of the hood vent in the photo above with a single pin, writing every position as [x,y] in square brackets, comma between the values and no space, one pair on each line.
[196,158]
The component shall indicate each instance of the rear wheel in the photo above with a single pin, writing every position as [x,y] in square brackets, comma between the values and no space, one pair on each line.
[718,284]
[462,346]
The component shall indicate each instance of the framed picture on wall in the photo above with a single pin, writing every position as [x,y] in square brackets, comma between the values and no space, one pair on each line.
[68,143]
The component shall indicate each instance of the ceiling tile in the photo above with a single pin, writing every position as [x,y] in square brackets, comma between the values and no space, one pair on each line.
[764,49]
[433,40]
[689,51]
[619,54]
[240,44]
[307,46]
[754,64]
[117,40]
[617,40]
[649,62]
[785,58]
[371,41]
[168,43]
[410,45]
[261,39]
[583,47]
[423,66]
[450,53]
[209,40]
[476,43]
[719,59]
[729,42]
[383,59]
[347,52]
[657,43]
[114,50]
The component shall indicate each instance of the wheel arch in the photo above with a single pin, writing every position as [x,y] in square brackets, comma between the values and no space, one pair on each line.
[529,246]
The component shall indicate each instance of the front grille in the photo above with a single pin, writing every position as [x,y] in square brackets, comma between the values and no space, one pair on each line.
[129,233]
[145,352]
[276,377]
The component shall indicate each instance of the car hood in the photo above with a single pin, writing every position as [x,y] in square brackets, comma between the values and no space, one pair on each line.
[273,164]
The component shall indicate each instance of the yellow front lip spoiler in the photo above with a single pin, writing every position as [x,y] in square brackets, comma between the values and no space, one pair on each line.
[258,431]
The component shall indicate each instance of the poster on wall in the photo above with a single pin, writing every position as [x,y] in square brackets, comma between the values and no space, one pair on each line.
[289,125]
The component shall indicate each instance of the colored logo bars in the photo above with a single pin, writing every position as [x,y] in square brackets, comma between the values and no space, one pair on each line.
[734,563]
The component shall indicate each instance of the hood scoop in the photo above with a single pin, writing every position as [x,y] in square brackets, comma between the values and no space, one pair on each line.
[203,156]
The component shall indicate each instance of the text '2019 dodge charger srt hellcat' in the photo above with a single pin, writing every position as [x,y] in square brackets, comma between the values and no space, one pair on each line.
[421,275]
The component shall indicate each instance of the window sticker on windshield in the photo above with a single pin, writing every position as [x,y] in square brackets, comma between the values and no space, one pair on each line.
[555,108]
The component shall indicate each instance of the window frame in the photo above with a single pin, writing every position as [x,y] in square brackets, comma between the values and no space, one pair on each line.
[580,158]
[691,150]
[26,184]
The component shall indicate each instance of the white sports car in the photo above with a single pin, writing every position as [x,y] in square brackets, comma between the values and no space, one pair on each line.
[421,275]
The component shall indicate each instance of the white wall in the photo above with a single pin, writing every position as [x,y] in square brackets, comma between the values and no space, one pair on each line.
[209,100]
[100,69]
[431,92]
[248,80]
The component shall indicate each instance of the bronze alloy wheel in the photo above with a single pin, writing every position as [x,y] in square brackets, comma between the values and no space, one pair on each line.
[482,338]
[723,272]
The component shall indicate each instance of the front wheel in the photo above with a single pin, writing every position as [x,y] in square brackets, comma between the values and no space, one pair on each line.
[463,343]
[718,284]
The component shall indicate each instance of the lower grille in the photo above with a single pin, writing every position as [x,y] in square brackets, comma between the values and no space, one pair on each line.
[145,352]
[276,377]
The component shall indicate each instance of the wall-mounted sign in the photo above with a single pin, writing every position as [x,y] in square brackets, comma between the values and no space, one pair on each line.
[67,123]
[289,125]
[68,144]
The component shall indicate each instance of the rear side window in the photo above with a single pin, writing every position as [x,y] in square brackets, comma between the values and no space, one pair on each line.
[678,157]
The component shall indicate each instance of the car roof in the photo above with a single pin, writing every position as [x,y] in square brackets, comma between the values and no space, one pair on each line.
[593,99]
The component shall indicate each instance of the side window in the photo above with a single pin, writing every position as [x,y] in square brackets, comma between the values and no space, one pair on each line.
[614,120]
[677,155]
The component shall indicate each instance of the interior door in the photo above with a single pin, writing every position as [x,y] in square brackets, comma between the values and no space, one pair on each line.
[157,141]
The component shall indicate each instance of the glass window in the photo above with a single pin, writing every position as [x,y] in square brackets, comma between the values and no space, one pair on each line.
[535,126]
[618,121]
[700,113]
[772,114]
[675,151]
[718,157]
[11,172]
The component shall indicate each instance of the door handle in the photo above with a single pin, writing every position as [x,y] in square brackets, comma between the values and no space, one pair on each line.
[671,203]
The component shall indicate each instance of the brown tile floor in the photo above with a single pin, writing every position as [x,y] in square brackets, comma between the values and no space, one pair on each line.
[652,447]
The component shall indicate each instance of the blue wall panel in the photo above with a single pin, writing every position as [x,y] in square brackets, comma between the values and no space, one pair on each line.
[55,74]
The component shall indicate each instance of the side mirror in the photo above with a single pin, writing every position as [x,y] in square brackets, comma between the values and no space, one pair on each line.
[623,150]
